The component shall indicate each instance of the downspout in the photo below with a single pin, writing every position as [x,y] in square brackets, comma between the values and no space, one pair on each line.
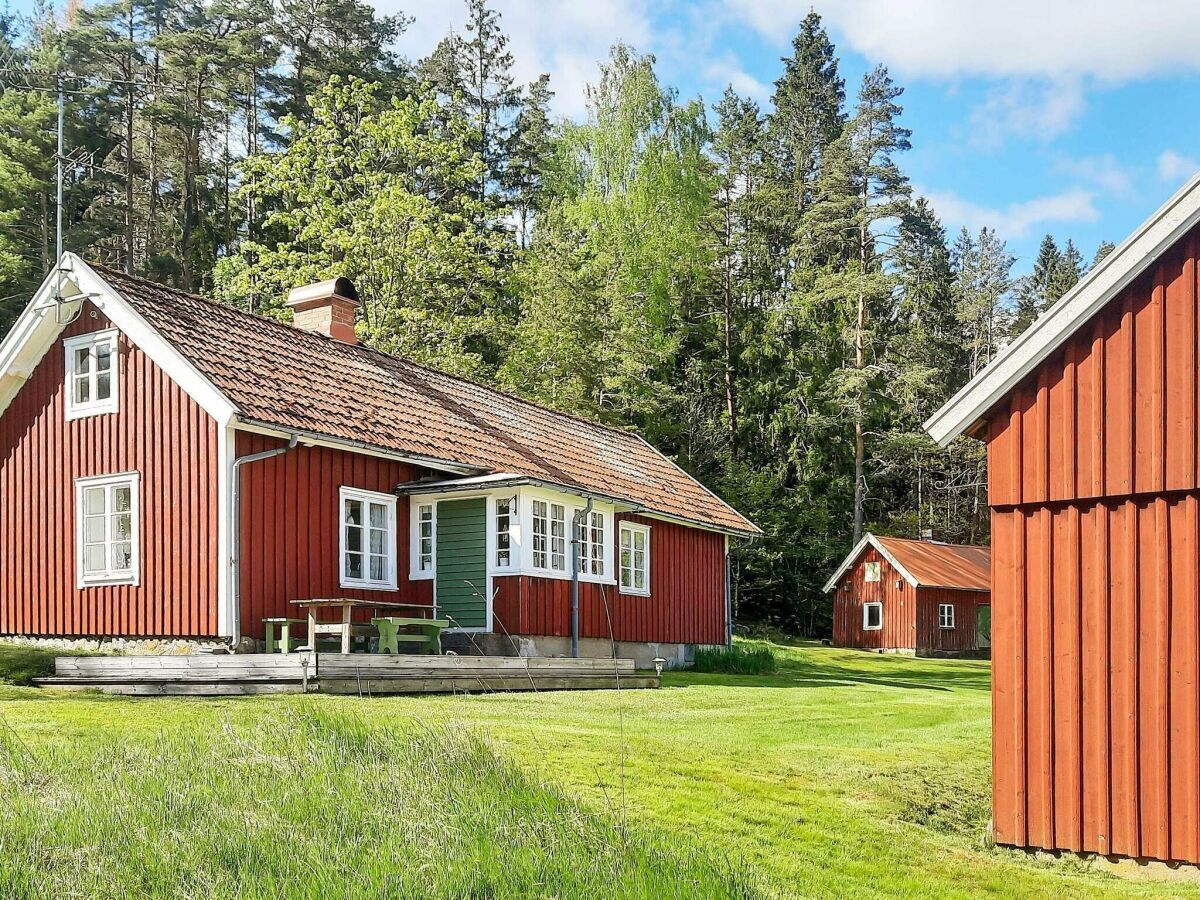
[578,520]
[728,596]
[235,589]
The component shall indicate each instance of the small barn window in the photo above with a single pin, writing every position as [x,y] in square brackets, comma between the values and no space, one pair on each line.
[368,539]
[91,374]
[946,615]
[871,571]
[108,529]
[635,559]
[872,616]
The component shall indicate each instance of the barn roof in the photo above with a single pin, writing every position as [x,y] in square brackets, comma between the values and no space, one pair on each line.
[280,376]
[1053,327]
[927,563]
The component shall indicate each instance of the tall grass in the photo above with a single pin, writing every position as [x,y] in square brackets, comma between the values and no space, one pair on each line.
[737,660]
[317,803]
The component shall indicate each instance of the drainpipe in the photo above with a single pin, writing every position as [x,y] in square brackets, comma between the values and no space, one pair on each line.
[728,596]
[236,532]
[578,521]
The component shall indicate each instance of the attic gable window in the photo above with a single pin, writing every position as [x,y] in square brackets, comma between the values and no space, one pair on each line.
[91,374]
[871,571]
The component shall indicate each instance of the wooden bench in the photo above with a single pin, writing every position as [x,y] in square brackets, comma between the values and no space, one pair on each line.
[286,642]
[427,632]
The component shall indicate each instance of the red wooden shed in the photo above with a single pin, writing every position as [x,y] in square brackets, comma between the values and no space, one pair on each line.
[1090,420]
[895,595]
[174,467]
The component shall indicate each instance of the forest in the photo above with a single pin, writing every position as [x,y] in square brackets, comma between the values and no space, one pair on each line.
[756,289]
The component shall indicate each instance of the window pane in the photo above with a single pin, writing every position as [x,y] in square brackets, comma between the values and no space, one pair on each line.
[121,498]
[93,529]
[503,558]
[639,580]
[122,527]
[377,540]
[354,539]
[83,390]
[378,515]
[83,361]
[354,566]
[93,558]
[122,556]
[354,513]
[103,387]
[626,537]
[104,357]
[94,500]
[639,540]
[377,568]
[426,563]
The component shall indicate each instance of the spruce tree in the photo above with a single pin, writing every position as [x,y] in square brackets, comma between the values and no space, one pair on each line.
[527,152]
[1034,290]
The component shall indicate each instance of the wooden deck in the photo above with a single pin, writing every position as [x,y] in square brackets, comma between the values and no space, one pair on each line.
[337,673]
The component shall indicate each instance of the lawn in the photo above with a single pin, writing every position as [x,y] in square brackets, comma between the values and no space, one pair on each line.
[842,774]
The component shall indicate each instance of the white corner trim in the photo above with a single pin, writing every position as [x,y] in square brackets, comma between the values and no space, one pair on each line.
[1116,272]
[852,558]
[37,329]
[226,453]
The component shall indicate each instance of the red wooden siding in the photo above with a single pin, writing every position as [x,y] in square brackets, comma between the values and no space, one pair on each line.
[1093,483]
[899,630]
[290,522]
[931,635]
[910,615]
[159,432]
[686,605]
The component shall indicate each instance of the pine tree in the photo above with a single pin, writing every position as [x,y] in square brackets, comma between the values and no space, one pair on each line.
[1033,291]
[982,287]
[528,154]
[1105,248]
[1066,273]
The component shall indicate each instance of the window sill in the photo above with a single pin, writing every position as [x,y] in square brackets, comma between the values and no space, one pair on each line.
[422,576]
[368,585]
[107,581]
[85,412]
[629,592]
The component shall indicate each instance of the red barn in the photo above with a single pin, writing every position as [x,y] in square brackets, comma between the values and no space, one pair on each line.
[901,596]
[1090,421]
[175,467]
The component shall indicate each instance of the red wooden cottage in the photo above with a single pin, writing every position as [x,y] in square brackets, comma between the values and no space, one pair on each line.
[901,596]
[171,466]
[1090,420]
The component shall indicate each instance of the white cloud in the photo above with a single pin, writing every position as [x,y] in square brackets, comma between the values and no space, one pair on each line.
[1017,220]
[1109,40]
[1176,167]
[568,40]
[1102,170]
[1041,111]
[726,71]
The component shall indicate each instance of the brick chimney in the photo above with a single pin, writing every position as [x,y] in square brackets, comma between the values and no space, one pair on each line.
[326,307]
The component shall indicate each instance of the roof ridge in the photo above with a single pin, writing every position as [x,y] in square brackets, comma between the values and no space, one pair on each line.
[342,345]
[890,537]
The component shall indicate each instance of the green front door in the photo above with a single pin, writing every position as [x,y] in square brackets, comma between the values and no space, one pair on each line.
[983,627]
[462,562]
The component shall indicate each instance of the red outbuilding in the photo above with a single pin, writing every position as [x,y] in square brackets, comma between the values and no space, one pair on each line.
[1090,420]
[921,597]
[174,467]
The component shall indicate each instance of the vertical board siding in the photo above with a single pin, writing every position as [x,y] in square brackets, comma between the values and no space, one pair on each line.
[931,636]
[160,432]
[898,597]
[1095,581]
[686,604]
[291,523]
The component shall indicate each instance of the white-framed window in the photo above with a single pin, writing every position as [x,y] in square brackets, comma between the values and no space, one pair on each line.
[872,571]
[91,374]
[424,529]
[368,539]
[506,518]
[108,529]
[945,615]
[549,536]
[634,560]
[591,545]
[872,616]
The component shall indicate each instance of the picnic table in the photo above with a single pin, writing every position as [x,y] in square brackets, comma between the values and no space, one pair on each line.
[344,628]
[422,631]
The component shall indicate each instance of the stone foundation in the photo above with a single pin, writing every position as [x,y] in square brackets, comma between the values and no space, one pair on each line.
[121,646]
[643,654]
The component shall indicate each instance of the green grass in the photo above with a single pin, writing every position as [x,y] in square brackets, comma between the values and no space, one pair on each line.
[20,664]
[740,659]
[842,775]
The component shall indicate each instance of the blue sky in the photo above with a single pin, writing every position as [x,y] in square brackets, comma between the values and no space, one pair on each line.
[1076,118]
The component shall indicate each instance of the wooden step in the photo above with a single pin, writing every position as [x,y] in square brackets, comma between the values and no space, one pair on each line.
[482,685]
[173,688]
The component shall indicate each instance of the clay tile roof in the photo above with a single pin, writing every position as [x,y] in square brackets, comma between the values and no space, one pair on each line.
[281,376]
[942,565]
